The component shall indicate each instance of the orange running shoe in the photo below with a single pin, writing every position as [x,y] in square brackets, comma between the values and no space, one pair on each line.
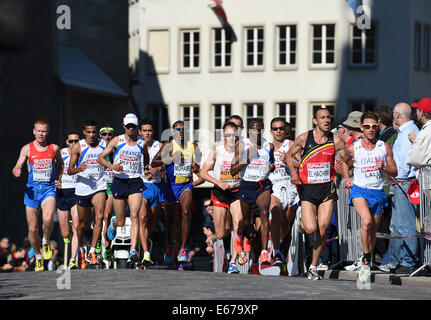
[237,243]
[82,263]
[92,258]
[264,258]
[246,245]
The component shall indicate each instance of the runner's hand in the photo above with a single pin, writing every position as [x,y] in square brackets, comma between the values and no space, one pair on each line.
[16,172]
[57,184]
[379,164]
[295,178]
[271,167]
[83,166]
[338,167]
[223,185]
[117,168]
[349,183]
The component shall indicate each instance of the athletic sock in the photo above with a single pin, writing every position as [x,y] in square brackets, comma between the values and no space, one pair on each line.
[44,241]
[39,256]
[312,267]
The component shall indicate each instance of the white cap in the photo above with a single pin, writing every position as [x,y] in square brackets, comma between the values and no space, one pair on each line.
[130,118]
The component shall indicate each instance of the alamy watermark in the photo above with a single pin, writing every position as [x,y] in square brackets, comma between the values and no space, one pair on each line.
[64,21]
[363,17]
[63,281]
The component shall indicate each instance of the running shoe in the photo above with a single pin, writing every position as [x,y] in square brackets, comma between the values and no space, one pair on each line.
[233,268]
[386,267]
[39,265]
[237,243]
[322,266]
[246,245]
[183,255]
[47,251]
[147,259]
[242,258]
[180,267]
[72,265]
[277,261]
[111,232]
[169,259]
[353,266]
[313,275]
[109,255]
[82,263]
[98,247]
[264,258]
[133,256]
[364,272]
[92,259]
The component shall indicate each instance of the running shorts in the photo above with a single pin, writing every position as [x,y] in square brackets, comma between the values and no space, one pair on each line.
[66,199]
[319,193]
[224,198]
[376,199]
[288,196]
[153,193]
[85,201]
[173,192]
[34,195]
[250,191]
[122,188]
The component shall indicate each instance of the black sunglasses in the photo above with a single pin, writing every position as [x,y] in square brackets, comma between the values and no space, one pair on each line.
[72,141]
[278,128]
[106,134]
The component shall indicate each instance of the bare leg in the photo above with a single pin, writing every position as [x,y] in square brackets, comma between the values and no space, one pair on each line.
[323,220]
[135,202]
[263,202]
[48,208]
[32,215]
[106,218]
[75,223]
[186,201]
[98,202]
[275,209]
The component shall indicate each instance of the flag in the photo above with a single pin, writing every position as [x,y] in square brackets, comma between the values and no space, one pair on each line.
[354,4]
[216,6]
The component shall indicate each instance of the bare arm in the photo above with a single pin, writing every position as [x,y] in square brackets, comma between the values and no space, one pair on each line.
[208,166]
[390,168]
[74,157]
[296,148]
[23,156]
[59,166]
[340,146]
[108,150]
[238,161]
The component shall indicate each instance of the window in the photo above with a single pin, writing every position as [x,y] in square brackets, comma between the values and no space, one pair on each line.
[191,121]
[362,106]
[253,110]
[323,52]
[253,47]
[221,112]
[329,106]
[160,122]
[287,111]
[363,45]
[286,46]
[427,51]
[189,49]
[158,51]
[222,48]
[417,47]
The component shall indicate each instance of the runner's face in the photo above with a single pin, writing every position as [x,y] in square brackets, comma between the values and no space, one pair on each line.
[40,132]
[90,133]
[255,130]
[146,132]
[179,131]
[106,135]
[278,131]
[71,140]
[239,124]
[323,120]
[230,136]
[369,127]
[130,129]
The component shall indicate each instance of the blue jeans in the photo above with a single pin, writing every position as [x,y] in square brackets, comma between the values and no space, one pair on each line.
[403,222]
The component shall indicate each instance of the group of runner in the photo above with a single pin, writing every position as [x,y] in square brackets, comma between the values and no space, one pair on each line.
[252,177]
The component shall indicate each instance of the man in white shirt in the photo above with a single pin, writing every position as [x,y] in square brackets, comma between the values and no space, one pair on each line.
[420,151]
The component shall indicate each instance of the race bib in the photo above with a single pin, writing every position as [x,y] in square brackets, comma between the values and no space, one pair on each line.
[183,170]
[94,169]
[130,164]
[226,176]
[42,170]
[109,175]
[319,172]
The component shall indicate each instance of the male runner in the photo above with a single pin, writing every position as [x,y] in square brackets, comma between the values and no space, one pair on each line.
[285,195]
[255,164]
[225,194]
[66,200]
[45,168]
[153,194]
[106,133]
[181,159]
[316,174]
[127,185]
[372,158]
[90,188]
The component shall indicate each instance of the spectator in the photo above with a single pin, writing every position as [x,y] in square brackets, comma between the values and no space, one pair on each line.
[403,252]
[53,263]
[31,256]
[5,266]
[420,151]
[5,242]
[353,123]
[19,260]
[387,132]
[208,212]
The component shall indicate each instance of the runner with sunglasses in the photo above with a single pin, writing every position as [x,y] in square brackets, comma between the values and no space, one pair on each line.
[129,158]
[90,188]
[181,159]
[284,198]
[106,133]
[372,158]
[66,200]
[225,194]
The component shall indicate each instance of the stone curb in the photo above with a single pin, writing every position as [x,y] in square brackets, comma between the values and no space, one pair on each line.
[379,277]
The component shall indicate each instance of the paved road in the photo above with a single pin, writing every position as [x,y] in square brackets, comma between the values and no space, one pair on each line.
[189,285]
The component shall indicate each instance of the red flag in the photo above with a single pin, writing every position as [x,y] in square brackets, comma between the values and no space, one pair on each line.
[218,10]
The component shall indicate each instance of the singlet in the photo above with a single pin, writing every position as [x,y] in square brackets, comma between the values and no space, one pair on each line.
[281,174]
[67,181]
[41,166]
[317,161]
[365,172]
[130,157]
[222,166]
[92,179]
[154,149]
[181,172]
[258,168]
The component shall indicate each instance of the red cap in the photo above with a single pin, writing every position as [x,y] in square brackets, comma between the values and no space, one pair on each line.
[413,192]
[424,105]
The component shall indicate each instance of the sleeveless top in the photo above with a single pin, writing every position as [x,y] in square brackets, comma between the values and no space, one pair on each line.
[181,172]
[41,166]
[91,180]
[154,149]
[281,174]
[222,166]
[258,168]
[365,172]
[130,157]
[67,181]
[317,161]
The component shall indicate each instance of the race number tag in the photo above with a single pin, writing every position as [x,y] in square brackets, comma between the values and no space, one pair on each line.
[226,176]
[130,164]
[109,175]
[183,170]
[94,169]
[42,170]
[319,172]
